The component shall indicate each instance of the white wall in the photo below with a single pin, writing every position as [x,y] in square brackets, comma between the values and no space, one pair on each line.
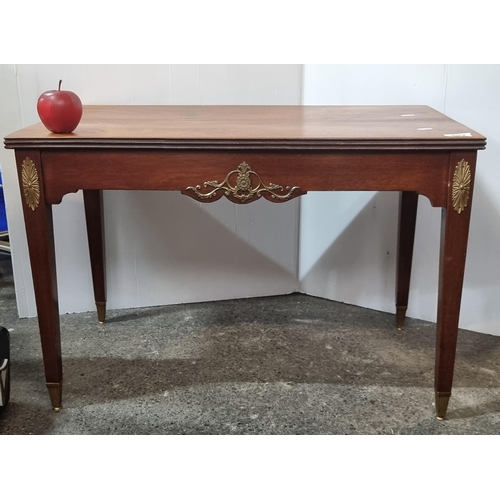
[348,240]
[161,247]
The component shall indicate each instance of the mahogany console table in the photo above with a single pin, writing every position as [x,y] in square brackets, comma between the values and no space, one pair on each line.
[246,153]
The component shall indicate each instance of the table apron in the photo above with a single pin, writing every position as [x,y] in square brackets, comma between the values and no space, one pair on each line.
[71,170]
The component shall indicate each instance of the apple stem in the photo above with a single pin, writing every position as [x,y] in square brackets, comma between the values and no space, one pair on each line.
[60,81]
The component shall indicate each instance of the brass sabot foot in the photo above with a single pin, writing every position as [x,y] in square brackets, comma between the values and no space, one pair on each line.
[442,400]
[101,311]
[400,316]
[55,393]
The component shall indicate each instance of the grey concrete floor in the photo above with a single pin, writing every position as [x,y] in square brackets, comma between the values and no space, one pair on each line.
[278,365]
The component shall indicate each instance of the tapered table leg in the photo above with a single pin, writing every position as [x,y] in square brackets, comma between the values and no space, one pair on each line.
[40,236]
[95,232]
[454,235]
[406,236]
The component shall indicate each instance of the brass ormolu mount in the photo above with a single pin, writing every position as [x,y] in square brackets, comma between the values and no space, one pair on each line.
[242,185]
[31,183]
[460,189]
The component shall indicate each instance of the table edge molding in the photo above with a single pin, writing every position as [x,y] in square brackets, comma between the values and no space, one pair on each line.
[285,145]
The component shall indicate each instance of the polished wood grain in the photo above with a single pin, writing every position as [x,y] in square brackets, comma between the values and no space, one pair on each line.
[411,149]
[406,236]
[454,236]
[65,171]
[93,202]
[40,236]
[282,127]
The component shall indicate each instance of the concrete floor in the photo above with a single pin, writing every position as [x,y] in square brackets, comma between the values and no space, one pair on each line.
[278,365]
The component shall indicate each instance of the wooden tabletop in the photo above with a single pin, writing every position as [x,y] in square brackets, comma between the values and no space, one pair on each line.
[287,127]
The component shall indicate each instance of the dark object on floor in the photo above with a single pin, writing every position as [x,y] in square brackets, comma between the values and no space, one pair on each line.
[4,235]
[4,368]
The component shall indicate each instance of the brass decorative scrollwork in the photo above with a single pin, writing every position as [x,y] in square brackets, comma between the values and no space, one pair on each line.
[242,189]
[31,184]
[460,190]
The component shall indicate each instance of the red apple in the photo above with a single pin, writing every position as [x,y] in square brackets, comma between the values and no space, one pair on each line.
[60,110]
